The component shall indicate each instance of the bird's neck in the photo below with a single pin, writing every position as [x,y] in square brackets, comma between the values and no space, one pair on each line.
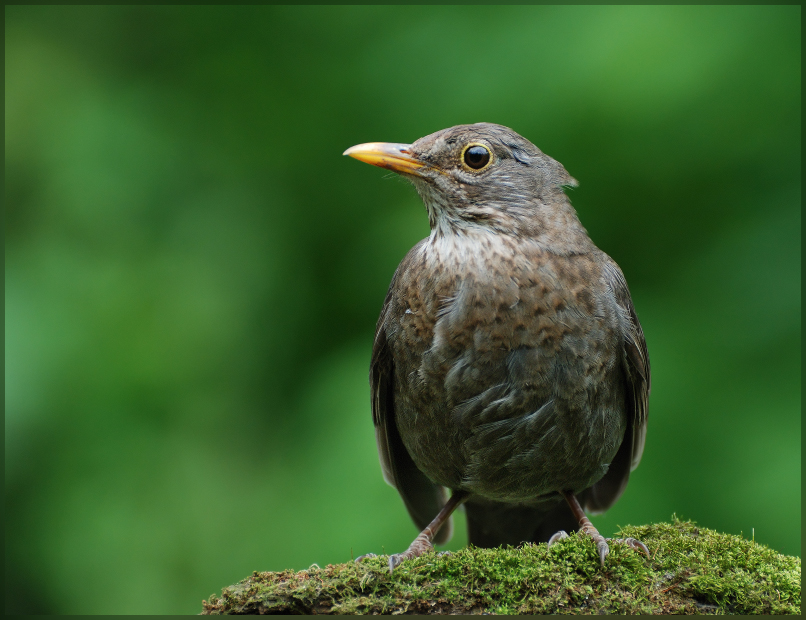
[555,229]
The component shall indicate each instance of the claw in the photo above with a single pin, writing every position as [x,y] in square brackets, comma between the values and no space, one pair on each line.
[601,544]
[366,556]
[394,561]
[634,543]
[420,546]
[557,536]
[603,548]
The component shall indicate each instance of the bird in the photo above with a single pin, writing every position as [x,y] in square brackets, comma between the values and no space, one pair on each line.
[509,372]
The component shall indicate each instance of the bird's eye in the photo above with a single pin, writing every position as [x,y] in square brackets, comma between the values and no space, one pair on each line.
[476,156]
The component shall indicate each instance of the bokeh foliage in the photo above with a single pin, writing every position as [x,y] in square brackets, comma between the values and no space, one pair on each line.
[193,272]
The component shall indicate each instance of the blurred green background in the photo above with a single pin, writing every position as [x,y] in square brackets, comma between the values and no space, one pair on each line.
[194,272]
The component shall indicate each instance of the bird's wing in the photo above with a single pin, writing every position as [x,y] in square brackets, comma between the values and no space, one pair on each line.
[423,498]
[604,493]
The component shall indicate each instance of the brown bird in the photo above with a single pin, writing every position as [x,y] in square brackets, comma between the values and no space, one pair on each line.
[509,365]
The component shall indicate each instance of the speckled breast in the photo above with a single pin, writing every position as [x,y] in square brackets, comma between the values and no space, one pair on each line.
[506,369]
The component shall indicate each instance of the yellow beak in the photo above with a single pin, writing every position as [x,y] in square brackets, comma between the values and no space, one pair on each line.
[386,155]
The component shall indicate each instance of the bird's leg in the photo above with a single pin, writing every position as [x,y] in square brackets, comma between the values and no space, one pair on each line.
[587,527]
[422,544]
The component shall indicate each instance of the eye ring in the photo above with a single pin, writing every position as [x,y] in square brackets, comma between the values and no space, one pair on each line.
[476,156]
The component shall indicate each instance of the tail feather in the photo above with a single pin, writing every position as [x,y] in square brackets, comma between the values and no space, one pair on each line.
[492,524]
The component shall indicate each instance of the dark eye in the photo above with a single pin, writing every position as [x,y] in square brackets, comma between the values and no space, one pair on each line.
[477,157]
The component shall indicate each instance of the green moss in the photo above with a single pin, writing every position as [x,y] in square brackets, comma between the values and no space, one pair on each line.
[692,570]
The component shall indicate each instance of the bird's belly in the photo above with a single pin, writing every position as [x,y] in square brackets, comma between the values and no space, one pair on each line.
[513,401]
[505,452]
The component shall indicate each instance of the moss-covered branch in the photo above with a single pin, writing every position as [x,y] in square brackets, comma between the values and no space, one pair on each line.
[692,570]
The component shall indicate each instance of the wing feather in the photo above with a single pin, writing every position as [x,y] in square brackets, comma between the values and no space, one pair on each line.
[604,493]
[423,498]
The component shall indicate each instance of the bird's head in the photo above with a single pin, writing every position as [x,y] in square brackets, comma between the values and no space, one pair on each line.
[478,176]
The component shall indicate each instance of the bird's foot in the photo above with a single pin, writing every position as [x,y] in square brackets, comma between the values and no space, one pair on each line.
[588,530]
[601,542]
[400,556]
[420,546]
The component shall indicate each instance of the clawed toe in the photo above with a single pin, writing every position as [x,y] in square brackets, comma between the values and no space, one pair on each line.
[395,561]
[557,536]
[586,527]
[420,546]
[633,543]
[414,551]
[601,543]
[603,548]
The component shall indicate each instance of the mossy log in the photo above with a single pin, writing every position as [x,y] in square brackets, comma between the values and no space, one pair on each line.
[692,570]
